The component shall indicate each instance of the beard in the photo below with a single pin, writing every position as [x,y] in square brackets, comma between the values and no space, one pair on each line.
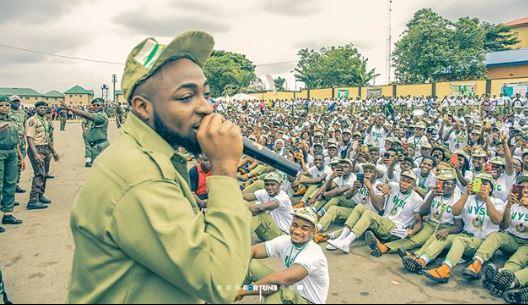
[175,139]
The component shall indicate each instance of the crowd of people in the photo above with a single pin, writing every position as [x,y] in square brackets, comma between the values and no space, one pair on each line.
[414,176]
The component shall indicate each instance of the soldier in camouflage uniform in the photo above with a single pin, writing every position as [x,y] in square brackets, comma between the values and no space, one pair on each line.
[95,132]
[18,117]
[63,117]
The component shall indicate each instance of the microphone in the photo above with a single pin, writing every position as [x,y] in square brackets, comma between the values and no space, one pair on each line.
[270,158]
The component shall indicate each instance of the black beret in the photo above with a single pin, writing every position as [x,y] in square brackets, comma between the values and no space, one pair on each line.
[41,104]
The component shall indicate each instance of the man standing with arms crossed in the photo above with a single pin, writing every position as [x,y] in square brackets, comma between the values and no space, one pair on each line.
[139,235]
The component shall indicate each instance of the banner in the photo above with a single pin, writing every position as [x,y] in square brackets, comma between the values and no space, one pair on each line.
[514,88]
[373,92]
[463,89]
[342,94]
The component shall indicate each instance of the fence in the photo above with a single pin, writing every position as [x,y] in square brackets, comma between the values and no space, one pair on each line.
[440,89]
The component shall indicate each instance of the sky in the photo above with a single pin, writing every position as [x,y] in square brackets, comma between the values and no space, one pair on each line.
[269,32]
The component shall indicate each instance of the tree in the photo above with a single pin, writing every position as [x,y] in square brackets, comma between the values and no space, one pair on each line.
[434,48]
[279,84]
[229,73]
[332,67]
[498,37]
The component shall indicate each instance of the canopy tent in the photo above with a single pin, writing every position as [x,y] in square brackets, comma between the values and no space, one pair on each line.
[243,97]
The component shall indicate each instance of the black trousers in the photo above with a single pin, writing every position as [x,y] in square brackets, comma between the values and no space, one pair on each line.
[40,172]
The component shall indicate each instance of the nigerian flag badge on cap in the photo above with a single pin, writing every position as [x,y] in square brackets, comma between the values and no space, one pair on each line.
[148,56]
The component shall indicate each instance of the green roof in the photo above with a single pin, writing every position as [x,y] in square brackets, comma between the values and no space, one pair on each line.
[54,93]
[79,90]
[22,92]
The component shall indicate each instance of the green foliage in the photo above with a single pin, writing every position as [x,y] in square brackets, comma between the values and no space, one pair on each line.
[433,48]
[279,84]
[498,37]
[333,67]
[229,73]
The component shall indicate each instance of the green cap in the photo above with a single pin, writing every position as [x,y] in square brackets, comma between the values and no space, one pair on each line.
[308,214]
[522,179]
[4,98]
[498,161]
[335,161]
[446,175]
[149,55]
[486,177]
[346,160]
[410,174]
[98,100]
[478,152]
[273,177]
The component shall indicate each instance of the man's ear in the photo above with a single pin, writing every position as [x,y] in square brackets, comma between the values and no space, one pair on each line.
[142,108]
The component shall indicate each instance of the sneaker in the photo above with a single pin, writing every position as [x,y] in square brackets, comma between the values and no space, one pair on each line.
[473,271]
[10,220]
[490,272]
[340,245]
[2,230]
[299,205]
[439,275]
[502,282]
[414,265]
[320,238]
[517,296]
[329,247]
[376,247]
[19,190]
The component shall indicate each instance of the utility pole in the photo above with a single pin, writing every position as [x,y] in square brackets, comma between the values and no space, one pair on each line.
[389,45]
[114,81]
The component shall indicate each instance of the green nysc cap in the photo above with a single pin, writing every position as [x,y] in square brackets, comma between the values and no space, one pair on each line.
[308,214]
[148,56]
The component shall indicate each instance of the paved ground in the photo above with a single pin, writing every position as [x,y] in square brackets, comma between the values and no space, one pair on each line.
[36,257]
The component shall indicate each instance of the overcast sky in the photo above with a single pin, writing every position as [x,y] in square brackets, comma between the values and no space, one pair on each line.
[267,31]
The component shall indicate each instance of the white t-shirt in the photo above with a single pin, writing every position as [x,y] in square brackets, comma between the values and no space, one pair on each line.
[442,208]
[519,221]
[425,182]
[283,214]
[503,186]
[377,136]
[342,181]
[401,208]
[476,218]
[362,196]
[316,173]
[316,285]
[457,141]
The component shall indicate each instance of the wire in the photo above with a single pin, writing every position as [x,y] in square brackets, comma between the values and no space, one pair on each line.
[61,56]
[108,62]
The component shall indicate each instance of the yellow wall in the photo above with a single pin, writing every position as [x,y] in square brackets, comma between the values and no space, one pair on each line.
[414,90]
[78,99]
[31,99]
[521,34]
[53,100]
[321,94]
[303,94]
[496,85]
[444,88]
[508,72]
[277,96]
